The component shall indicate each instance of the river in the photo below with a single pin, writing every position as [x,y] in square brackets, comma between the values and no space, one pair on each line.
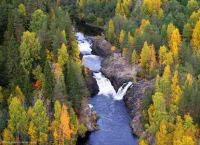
[114,119]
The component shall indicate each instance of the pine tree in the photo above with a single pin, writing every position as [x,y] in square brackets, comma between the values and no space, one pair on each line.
[59,86]
[130,40]
[12,63]
[38,127]
[184,131]
[73,80]
[175,44]
[170,29]
[74,123]
[153,62]
[192,6]
[157,112]
[161,135]
[119,8]
[48,81]
[165,82]
[176,91]
[111,31]
[38,20]
[169,58]
[29,50]
[19,94]
[186,96]
[65,124]
[144,56]
[151,7]
[148,58]
[134,58]
[162,55]
[7,136]
[122,38]
[55,125]
[195,42]
[17,123]
[22,9]
[63,55]
[75,53]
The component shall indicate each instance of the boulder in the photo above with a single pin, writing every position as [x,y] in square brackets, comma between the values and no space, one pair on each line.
[118,70]
[91,83]
[101,47]
[87,116]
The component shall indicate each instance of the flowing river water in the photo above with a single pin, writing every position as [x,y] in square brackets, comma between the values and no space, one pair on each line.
[114,119]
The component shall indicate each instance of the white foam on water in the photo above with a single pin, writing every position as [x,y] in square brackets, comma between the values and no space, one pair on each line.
[90,106]
[84,45]
[105,86]
[122,91]
[80,36]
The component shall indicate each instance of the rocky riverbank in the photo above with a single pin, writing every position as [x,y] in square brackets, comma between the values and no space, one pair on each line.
[116,68]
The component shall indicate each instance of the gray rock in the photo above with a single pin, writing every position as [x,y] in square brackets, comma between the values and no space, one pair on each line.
[117,69]
[134,100]
[87,116]
[101,47]
[91,83]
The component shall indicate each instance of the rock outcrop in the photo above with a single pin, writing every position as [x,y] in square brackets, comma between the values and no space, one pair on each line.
[88,116]
[91,83]
[117,69]
[134,100]
[101,47]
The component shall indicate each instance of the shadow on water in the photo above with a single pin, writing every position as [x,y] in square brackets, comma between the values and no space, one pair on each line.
[87,29]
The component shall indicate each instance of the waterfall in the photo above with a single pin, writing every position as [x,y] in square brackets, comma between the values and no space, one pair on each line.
[122,91]
[93,62]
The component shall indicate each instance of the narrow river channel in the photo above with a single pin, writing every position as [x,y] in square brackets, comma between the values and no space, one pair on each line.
[114,119]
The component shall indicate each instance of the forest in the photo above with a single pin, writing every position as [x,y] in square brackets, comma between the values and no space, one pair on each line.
[43,82]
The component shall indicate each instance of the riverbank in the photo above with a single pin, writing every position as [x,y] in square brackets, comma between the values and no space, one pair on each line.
[116,68]
[113,122]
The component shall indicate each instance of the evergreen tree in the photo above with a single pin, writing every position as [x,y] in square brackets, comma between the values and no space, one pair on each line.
[175,89]
[29,50]
[111,31]
[122,38]
[60,87]
[65,125]
[74,80]
[195,42]
[134,57]
[12,63]
[157,112]
[63,55]
[38,20]
[175,44]
[18,123]
[192,6]
[55,125]
[7,136]
[22,9]
[48,81]
[161,135]
[38,127]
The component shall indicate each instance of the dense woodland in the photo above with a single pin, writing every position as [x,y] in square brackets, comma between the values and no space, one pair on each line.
[41,78]
[163,38]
